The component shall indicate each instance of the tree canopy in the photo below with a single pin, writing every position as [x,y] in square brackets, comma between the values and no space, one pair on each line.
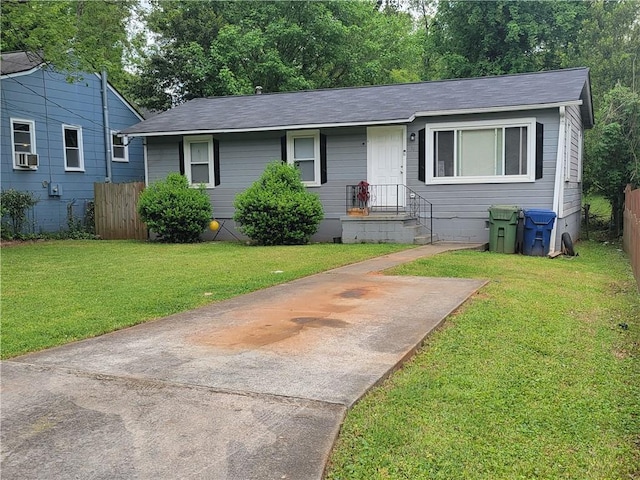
[225,48]
[72,35]
[613,148]
[206,48]
[469,39]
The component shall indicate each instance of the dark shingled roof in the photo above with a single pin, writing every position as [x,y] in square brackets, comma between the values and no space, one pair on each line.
[16,62]
[372,105]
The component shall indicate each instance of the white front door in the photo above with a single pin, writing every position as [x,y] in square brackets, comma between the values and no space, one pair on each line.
[386,156]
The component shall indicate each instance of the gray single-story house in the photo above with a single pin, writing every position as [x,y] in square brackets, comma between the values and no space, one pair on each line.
[443,152]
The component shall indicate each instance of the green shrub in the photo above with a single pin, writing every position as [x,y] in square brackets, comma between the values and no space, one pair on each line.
[277,209]
[14,204]
[174,211]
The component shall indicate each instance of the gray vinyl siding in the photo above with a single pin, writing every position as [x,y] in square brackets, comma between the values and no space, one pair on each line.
[49,100]
[346,165]
[461,211]
[243,158]
[163,157]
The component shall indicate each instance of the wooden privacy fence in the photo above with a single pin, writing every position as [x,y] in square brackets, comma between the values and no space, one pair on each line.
[631,234]
[116,211]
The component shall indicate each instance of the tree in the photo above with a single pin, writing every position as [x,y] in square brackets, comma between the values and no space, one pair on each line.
[609,44]
[228,48]
[613,149]
[73,36]
[469,39]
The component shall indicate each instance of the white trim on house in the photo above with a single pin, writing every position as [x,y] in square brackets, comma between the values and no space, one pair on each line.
[24,72]
[187,141]
[397,161]
[558,188]
[510,108]
[80,167]
[32,133]
[291,159]
[271,129]
[431,129]
[124,145]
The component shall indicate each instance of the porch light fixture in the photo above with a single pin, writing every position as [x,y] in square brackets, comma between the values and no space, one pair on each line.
[412,137]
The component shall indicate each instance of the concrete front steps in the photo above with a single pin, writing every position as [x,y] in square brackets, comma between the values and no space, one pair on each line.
[384,228]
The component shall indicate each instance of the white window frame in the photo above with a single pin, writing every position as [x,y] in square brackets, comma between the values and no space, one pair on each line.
[80,167]
[315,134]
[124,145]
[187,141]
[32,133]
[430,129]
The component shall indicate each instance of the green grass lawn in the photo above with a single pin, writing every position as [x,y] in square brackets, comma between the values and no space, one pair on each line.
[55,292]
[538,376]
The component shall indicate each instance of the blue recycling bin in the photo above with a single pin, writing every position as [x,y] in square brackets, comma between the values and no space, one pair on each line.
[538,224]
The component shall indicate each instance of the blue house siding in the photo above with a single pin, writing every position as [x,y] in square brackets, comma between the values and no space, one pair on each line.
[50,101]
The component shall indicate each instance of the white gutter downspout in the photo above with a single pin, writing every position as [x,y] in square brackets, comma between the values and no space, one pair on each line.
[559,177]
[146,162]
[107,128]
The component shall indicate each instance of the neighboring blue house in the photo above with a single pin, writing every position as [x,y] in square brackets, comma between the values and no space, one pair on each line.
[463,145]
[53,139]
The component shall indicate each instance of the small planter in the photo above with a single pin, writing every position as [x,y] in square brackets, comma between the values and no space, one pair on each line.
[358,212]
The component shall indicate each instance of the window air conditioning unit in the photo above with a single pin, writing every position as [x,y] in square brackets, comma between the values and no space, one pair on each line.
[29,160]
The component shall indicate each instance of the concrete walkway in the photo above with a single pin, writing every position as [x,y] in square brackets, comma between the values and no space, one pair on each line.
[255,387]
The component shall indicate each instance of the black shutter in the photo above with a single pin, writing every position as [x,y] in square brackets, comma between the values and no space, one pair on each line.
[181,156]
[283,148]
[323,158]
[422,147]
[216,161]
[539,143]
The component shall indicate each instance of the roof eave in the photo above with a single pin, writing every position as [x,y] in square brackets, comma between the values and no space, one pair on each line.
[589,100]
[22,72]
[273,128]
[438,113]
[506,108]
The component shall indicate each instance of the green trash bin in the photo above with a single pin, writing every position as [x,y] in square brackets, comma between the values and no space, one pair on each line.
[503,226]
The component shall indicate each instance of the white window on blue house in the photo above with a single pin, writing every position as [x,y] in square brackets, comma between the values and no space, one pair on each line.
[198,159]
[119,149]
[23,142]
[481,152]
[73,150]
[303,151]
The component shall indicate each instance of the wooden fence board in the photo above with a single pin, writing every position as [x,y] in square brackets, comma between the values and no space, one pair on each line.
[631,232]
[116,214]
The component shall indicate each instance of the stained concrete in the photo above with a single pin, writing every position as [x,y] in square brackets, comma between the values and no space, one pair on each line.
[254,387]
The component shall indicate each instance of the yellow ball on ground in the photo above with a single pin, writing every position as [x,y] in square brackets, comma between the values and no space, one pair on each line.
[214,225]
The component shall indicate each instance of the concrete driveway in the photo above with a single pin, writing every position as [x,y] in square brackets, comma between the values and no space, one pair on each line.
[251,388]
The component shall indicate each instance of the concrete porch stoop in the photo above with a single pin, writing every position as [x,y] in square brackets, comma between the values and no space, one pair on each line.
[385,228]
